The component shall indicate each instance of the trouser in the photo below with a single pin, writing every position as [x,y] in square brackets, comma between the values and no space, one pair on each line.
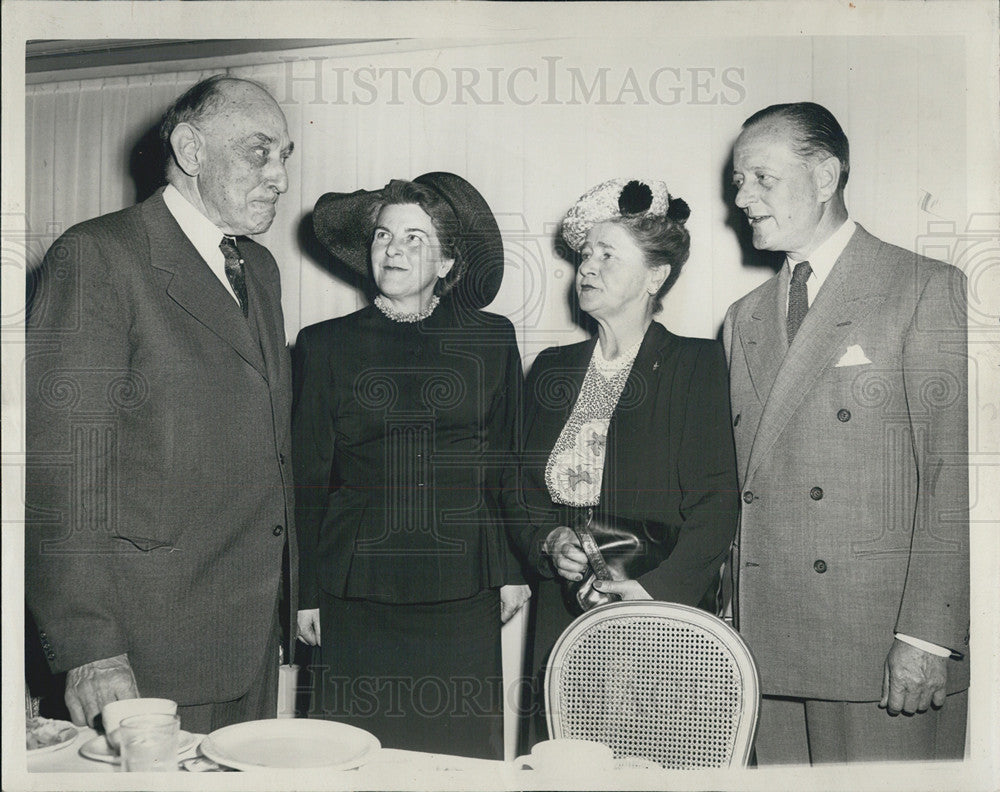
[259,702]
[811,731]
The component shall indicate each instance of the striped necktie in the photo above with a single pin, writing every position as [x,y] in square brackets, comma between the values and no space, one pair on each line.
[234,271]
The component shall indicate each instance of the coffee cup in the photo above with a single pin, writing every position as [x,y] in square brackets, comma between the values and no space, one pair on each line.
[113,712]
[571,757]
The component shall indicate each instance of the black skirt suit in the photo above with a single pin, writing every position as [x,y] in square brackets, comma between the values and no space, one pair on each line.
[670,458]
[403,437]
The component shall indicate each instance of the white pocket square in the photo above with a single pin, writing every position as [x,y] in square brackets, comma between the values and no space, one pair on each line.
[854,356]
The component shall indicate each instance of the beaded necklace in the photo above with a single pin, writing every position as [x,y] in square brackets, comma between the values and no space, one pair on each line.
[385,306]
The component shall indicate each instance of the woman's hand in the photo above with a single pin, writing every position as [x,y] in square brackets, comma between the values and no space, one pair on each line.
[308,623]
[626,589]
[512,599]
[568,558]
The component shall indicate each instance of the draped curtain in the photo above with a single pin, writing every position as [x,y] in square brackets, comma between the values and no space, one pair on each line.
[533,125]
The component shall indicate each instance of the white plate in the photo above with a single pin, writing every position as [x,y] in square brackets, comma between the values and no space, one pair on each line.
[67,733]
[99,750]
[290,742]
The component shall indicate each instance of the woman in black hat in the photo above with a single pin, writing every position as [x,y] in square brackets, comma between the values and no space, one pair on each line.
[403,433]
[629,470]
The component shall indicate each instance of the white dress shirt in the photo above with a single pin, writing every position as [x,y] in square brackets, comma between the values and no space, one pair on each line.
[203,233]
[821,261]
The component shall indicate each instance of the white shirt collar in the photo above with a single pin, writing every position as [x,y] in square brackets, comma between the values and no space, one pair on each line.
[822,259]
[202,232]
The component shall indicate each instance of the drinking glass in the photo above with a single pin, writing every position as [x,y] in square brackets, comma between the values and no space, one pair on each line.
[149,743]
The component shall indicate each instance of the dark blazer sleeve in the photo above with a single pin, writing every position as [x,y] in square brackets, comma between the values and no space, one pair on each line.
[706,466]
[531,515]
[76,353]
[312,453]
[503,424]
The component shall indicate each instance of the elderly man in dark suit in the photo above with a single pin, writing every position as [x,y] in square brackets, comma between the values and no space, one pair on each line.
[849,393]
[158,405]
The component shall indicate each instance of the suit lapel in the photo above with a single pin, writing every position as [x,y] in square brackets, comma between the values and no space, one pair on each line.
[620,474]
[576,364]
[763,335]
[193,286]
[556,393]
[854,288]
[270,330]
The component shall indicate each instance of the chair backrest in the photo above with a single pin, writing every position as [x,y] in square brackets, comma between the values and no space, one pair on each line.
[655,680]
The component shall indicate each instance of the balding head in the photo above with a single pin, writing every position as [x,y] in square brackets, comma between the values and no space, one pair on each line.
[204,99]
[227,142]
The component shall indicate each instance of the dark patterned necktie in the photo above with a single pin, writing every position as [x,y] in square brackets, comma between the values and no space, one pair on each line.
[234,270]
[798,298]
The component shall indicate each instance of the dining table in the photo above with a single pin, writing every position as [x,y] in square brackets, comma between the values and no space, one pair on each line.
[385,768]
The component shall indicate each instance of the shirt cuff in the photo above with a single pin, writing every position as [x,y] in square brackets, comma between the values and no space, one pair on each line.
[927,646]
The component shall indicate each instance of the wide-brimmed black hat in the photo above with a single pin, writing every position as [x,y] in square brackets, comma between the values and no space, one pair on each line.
[344,223]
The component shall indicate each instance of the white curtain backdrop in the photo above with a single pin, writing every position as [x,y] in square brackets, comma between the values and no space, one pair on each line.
[533,125]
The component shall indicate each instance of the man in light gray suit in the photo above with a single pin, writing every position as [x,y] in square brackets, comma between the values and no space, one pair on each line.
[849,399]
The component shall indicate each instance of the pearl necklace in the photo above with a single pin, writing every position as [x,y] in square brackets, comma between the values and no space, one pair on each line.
[383,304]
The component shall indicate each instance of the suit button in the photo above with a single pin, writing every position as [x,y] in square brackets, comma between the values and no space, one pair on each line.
[747,496]
[281,459]
[278,530]
[843,415]
[816,493]
[820,566]
[49,654]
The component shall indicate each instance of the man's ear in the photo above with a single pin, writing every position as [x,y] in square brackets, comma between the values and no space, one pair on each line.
[188,146]
[826,178]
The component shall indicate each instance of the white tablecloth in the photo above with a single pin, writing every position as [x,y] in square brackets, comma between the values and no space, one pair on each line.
[391,768]
[69,760]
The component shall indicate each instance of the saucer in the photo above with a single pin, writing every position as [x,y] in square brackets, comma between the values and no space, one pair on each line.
[528,762]
[99,750]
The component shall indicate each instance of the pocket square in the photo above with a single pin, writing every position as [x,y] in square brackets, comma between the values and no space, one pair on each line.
[854,356]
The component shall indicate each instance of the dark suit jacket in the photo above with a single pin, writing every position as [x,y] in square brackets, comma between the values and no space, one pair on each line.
[669,459]
[852,448]
[403,436]
[158,479]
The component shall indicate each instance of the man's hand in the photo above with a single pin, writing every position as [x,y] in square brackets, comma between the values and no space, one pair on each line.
[512,599]
[308,623]
[89,687]
[626,589]
[913,679]
[568,558]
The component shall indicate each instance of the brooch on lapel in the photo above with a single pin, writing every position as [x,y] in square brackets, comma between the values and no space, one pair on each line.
[656,365]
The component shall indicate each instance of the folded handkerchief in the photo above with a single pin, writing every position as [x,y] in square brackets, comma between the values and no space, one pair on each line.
[854,356]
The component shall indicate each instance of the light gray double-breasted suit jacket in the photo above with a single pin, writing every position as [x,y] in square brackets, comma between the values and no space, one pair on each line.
[852,455]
